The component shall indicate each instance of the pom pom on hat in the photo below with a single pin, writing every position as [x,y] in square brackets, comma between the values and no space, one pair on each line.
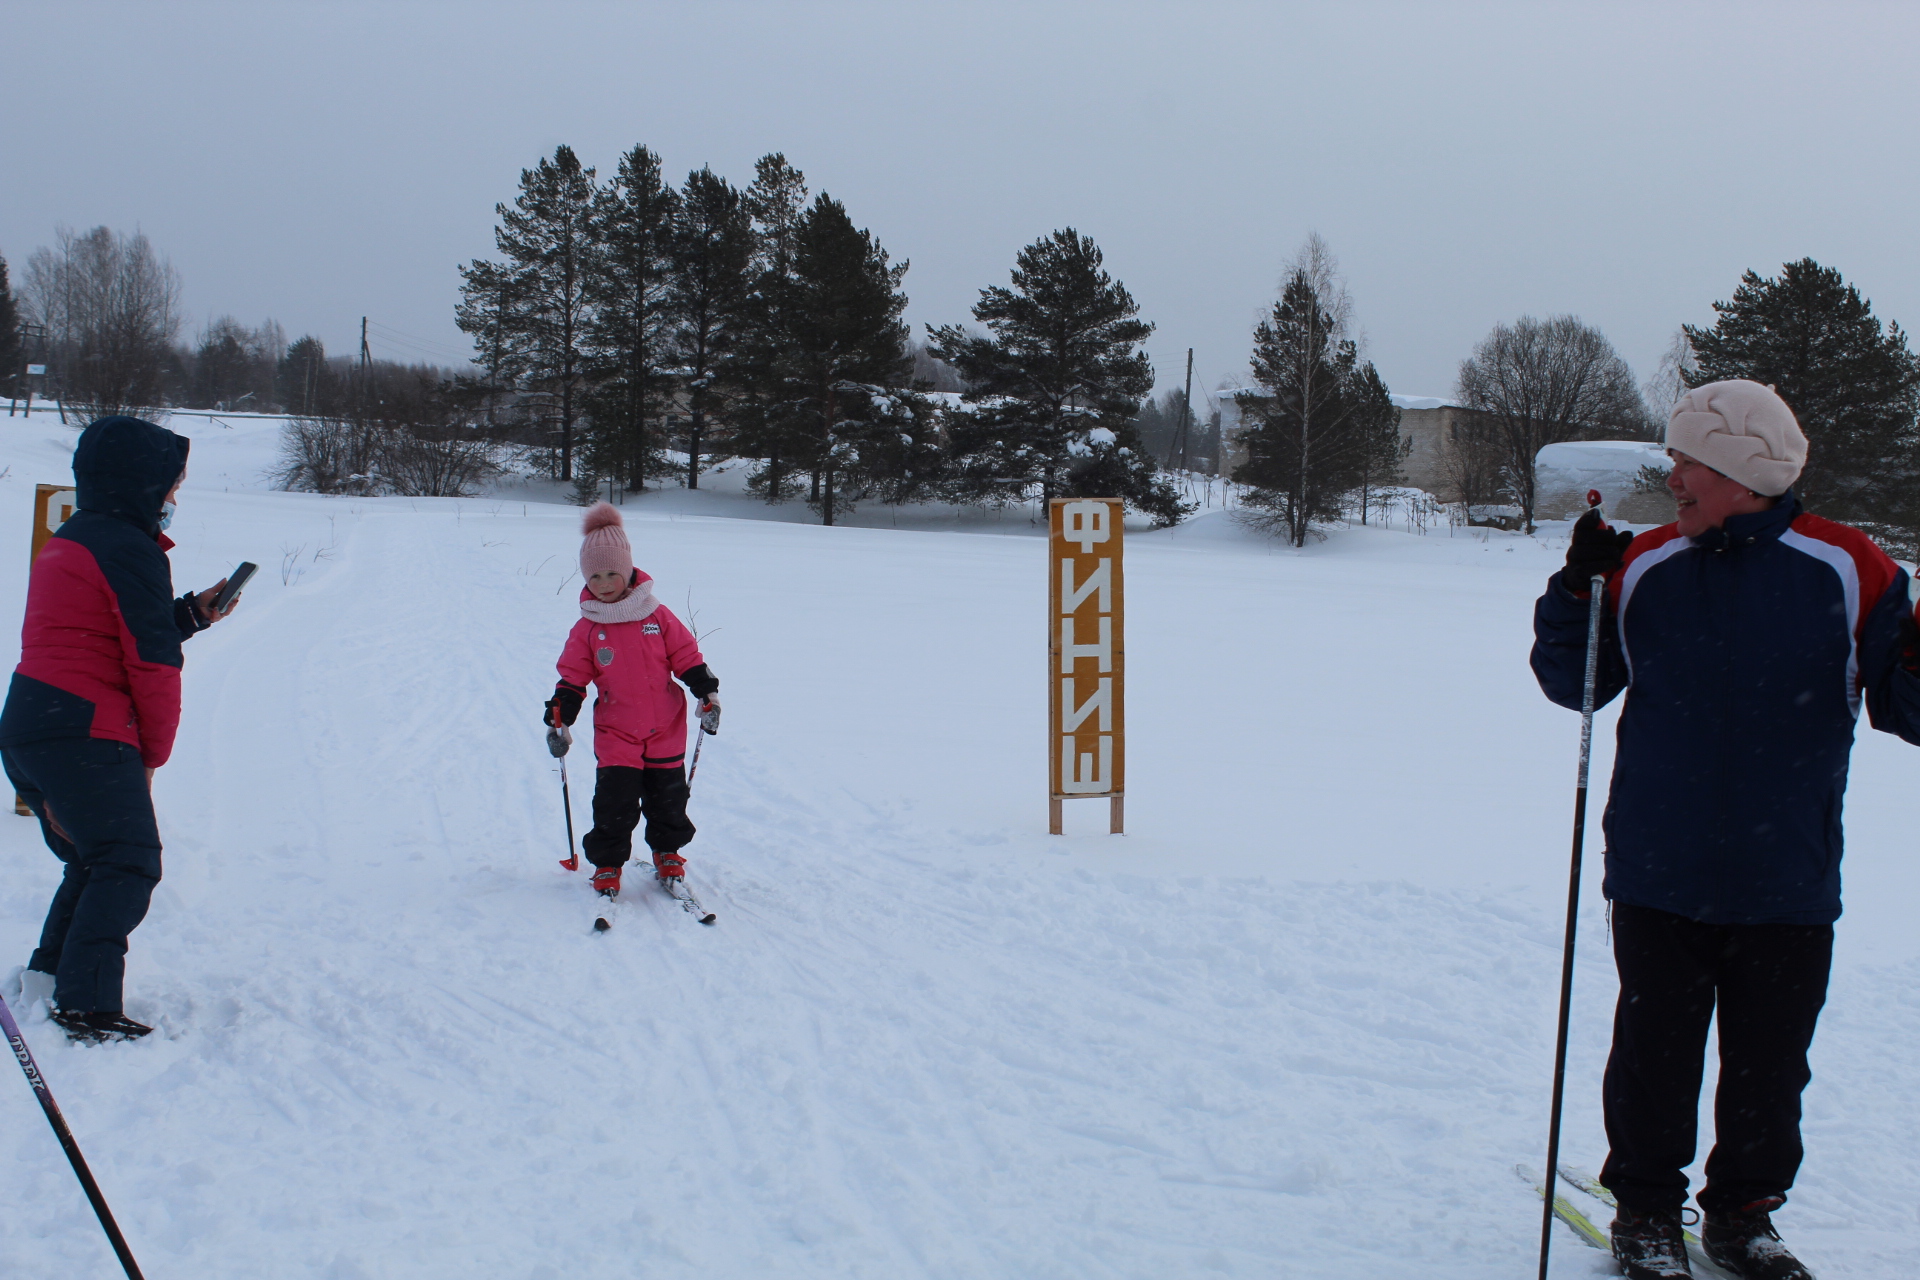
[1742,430]
[600,516]
[604,549]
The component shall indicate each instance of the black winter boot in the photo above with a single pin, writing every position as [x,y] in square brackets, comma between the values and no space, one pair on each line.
[1650,1246]
[1745,1244]
[93,1028]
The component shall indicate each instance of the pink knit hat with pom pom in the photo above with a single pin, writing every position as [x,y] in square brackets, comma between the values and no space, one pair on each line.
[605,549]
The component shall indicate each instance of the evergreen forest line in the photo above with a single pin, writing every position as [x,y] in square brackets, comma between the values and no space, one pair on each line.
[628,332]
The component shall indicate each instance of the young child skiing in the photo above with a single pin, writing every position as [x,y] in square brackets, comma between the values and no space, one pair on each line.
[630,646]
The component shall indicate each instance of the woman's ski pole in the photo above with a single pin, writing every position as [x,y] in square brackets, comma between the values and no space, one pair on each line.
[1597,600]
[21,1054]
[559,738]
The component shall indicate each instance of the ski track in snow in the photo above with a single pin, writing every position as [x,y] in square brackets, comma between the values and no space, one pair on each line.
[1298,1023]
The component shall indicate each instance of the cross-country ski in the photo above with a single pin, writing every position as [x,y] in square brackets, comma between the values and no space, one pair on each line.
[676,888]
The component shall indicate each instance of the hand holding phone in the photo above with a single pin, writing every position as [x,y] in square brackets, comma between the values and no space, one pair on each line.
[229,590]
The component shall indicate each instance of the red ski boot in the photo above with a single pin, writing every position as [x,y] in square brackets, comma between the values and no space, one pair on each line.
[669,866]
[606,880]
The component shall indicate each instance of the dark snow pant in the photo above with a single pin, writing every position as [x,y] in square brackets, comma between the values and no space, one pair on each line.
[95,792]
[620,795]
[1768,982]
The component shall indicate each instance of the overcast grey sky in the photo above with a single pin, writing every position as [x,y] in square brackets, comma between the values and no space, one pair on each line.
[1467,163]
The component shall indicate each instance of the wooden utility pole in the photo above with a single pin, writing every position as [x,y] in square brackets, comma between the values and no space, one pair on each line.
[1186,412]
[1177,443]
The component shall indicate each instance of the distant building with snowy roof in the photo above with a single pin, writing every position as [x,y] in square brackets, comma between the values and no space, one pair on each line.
[1565,471]
[1425,423]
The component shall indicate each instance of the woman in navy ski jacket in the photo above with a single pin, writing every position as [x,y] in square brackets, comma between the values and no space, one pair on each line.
[1747,636]
[93,707]
[1749,652]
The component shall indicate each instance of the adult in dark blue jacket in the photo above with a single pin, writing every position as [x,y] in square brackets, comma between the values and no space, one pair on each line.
[92,710]
[1747,636]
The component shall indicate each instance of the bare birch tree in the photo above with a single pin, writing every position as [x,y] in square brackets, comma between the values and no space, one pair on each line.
[1668,382]
[111,307]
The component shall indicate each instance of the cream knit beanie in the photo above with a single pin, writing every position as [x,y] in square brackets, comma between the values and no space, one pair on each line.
[604,549]
[1742,430]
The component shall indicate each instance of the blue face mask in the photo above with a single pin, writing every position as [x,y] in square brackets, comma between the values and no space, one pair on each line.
[166,514]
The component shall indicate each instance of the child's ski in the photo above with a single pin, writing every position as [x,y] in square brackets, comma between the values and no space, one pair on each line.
[607,909]
[676,888]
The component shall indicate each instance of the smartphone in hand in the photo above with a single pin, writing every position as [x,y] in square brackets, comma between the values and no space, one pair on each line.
[236,582]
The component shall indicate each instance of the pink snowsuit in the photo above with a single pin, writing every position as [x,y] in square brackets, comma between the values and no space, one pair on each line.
[632,649]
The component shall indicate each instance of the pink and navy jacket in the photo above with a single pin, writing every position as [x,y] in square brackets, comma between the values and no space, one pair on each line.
[1746,655]
[100,647]
[631,650]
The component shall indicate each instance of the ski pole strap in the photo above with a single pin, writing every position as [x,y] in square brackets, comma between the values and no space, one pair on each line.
[44,1095]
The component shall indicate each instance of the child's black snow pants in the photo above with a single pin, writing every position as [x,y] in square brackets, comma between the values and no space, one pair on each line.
[620,795]
[1767,983]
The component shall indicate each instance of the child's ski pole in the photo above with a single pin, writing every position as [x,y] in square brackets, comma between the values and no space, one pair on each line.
[699,737]
[44,1095]
[712,717]
[559,738]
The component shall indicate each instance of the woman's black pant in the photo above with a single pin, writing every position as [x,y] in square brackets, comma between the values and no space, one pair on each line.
[1767,982]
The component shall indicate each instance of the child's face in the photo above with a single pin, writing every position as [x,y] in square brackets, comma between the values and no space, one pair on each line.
[607,585]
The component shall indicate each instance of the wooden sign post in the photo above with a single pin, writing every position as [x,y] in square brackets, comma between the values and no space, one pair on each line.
[52,505]
[1086,657]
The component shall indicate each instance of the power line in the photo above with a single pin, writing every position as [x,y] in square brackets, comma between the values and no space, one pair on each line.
[401,338]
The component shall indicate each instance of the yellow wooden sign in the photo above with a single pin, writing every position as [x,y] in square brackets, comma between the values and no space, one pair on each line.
[53,504]
[1086,656]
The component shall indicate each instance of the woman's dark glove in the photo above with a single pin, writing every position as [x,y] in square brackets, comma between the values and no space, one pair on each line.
[1595,549]
[566,702]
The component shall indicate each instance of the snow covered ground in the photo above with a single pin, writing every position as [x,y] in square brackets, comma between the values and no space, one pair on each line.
[1297,1022]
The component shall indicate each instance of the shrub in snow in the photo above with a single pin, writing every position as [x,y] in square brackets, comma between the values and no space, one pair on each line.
[354,455]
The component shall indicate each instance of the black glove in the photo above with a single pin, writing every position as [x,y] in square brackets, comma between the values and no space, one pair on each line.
[1595,549]
[566,700]
[1910,644]
[188,617]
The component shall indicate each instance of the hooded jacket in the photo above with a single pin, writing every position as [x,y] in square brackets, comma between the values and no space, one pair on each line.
[1746,655]
[100,647]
